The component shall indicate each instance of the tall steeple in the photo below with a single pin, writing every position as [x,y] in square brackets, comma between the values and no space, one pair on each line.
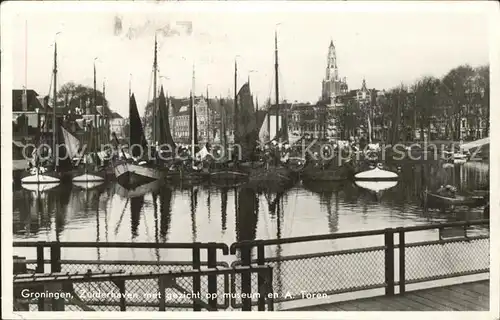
[331,64]
[332,85]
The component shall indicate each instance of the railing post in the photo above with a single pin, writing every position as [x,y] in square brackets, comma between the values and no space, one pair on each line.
[40,258]
[212,279]
[270,291]
[196,278]
[40,268]
[55,267]
[246,278]
[162,288]
[389,261]
[261,283]
[55,257]
[402,262]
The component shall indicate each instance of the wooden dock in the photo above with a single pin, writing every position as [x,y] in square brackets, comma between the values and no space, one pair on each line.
[471,296]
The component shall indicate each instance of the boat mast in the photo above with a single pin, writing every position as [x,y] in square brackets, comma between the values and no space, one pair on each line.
[95,112]
[235,101]
[208,118]
[155,68]
[192,116]
[276,81]
[54,108]
[223,125]
[25,93]
[105,118]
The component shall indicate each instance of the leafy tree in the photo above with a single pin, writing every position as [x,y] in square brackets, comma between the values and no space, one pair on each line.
[454,92]
[74,96]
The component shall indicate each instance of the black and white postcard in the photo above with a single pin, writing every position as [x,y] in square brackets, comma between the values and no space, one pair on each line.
[329,159]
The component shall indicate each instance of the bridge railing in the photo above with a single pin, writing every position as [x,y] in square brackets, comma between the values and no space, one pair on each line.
[392,265]
[202,256]
[394,261]
[116,291]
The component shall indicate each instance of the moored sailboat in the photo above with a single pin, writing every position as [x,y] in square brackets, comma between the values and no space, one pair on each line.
[135,171]
[140,169]
[233,172]
[273,174]
[91,170]
[43,170]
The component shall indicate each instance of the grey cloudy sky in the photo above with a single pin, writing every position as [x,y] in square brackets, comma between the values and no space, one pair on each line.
[384,46]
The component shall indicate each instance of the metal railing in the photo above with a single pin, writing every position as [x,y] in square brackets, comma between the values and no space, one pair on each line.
[389,266]
[393,265]
[58,265]
[116,291]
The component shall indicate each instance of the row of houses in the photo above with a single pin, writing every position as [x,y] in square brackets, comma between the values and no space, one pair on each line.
[34,118]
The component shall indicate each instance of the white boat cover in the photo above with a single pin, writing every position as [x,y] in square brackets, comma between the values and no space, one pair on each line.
[376,173]
[376,186]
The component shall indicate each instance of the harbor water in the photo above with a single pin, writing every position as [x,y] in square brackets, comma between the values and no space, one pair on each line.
[165,213]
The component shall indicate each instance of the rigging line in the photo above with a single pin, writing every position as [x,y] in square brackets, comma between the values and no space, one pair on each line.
[149,92]
[51,83]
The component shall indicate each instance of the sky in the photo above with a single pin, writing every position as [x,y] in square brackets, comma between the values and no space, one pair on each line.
[386,47]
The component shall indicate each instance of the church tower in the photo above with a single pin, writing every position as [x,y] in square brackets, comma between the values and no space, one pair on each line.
[332,72]
[333,85]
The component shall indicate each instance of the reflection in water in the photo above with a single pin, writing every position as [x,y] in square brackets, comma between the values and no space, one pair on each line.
[223,204]
[69,213]
[165,212]
[247,208]
[136,205]
[194,205]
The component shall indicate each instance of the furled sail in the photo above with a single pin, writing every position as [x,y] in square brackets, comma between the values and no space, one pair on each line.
[247,130]
[137,137]
[165,133]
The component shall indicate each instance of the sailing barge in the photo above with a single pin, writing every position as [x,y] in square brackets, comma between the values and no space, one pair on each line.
[144,166]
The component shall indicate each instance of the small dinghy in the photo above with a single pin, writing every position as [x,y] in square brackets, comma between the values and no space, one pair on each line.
[439,200]
[458,200]
[376,174]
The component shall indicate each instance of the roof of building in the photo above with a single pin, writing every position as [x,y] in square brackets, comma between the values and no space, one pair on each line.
[115,115]
[32,100]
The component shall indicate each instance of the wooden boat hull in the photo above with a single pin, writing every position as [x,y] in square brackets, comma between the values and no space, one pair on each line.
[274,178]
[324,186]
[335,174]
[131,175]
[138,191]
[228,177]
